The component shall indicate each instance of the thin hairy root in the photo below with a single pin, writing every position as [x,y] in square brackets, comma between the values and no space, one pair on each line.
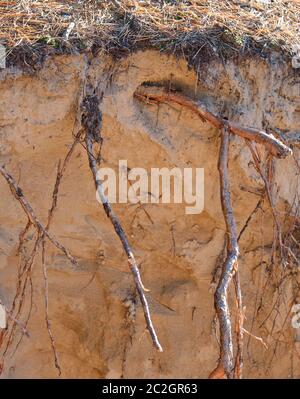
[291,139]
[267,182]
[18,323]
[255,337]
[93,135]
[28,315]
[159,94]
[47,319]
[18,194]
[60,172]
[59,176]
[20,293]
[23,235]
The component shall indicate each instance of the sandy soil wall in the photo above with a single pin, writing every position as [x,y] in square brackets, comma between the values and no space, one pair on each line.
[96,319]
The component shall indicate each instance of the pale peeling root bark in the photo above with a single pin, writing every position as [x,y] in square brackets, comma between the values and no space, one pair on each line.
[92,136]
[228,270]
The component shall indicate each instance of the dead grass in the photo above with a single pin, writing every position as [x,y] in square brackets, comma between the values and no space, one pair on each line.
[188,28]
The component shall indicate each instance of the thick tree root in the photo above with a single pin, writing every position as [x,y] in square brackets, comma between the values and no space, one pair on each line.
[25,270]
[159,94]
[229,267]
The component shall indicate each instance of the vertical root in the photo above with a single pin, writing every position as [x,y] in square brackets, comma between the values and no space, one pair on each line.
[93,128]
[225,365]
[47,319]
[238,368]
[25,270]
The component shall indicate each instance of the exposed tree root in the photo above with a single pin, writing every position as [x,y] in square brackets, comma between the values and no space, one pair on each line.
[255,337]
[19,196]
[60,171]
[229,365]
[23,235]
[47,319]
[238,368]
[93,127]
[267,178]
[42,232]
[227,368]
[159,94]
[226,348]
[24,274]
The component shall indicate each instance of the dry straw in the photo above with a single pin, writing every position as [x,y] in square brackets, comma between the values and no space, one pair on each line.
[186,27]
